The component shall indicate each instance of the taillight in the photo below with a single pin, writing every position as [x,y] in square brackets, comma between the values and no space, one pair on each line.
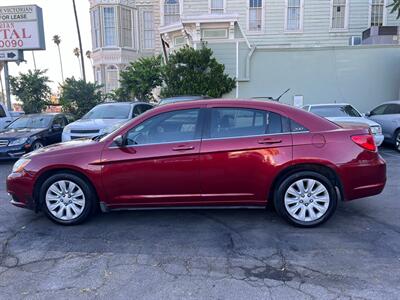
[365,141]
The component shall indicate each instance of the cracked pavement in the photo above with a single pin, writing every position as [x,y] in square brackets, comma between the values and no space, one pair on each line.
[207,254]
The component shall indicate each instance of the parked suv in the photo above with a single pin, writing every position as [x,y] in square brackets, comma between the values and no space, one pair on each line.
[219,153]
[104,118]
[388,116]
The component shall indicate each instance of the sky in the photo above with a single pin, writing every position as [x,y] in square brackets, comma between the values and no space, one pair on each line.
[59,19]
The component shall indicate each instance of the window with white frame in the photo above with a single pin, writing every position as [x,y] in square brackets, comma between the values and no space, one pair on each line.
[294,15]
[377,12]
[217,7]
[98,76]
[109,26]
[255,15]
[126,28]
[96,28]
[148,30]
[171,11]
[111,78]
[339,14]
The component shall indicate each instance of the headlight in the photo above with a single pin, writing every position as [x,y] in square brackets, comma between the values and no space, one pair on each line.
[20,165]
[18,142]
[376,130]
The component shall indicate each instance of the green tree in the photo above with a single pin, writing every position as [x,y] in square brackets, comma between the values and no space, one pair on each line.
[195,72]
[140,78]
[78,97]
[32,89]
[395,8]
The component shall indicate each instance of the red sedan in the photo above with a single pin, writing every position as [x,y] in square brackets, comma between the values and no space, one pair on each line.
[210,153]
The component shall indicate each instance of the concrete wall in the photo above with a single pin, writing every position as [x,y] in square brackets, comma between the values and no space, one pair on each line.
[364,75]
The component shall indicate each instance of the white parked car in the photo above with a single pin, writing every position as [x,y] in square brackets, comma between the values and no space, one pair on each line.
[103,118]
[6,117]
[344,112]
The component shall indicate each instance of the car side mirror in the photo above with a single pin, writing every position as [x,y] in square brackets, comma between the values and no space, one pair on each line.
[119,141]
[367,114]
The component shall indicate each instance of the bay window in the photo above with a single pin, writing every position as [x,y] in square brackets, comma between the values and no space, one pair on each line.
[109,27]
[126,28]
[148,30]
[171,11]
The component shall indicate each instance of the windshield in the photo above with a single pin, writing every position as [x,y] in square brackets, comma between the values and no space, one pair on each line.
[109,111]
[332,111]
[31,122]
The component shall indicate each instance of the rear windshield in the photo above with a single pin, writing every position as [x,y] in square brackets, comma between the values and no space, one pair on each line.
[333,111]
[109,111]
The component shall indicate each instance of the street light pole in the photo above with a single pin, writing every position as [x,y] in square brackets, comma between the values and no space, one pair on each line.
[80,41]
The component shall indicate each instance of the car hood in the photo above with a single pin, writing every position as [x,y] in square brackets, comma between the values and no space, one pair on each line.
[74,145]
[357,120]
[19,133]
[95,124]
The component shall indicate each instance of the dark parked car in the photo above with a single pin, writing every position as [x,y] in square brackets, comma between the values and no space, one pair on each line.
[212,153]
[181,98]
[31,132]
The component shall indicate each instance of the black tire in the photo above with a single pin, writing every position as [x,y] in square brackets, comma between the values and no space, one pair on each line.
[90,198]
[397,140]
[284,185]
[37,145]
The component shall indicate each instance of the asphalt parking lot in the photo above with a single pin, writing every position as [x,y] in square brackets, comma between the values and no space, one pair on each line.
[207,254]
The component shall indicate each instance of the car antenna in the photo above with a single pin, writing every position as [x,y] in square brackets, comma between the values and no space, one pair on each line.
[279,98]
[272,98]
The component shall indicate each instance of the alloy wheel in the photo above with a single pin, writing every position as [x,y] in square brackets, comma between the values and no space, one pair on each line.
[398,141]
[65,200]
[307,200]
[37,145]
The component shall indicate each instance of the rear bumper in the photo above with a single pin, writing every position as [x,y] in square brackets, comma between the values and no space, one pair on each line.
[363,179]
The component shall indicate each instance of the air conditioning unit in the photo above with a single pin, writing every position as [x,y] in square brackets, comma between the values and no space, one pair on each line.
[355,40]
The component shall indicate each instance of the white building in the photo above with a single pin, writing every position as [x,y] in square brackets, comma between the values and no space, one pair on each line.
[122,31]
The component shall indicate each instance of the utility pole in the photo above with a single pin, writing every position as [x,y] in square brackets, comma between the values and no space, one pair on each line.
[7,82]
[80,41]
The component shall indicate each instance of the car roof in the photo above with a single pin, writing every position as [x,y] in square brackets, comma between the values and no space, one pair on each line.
[309,120]
[390,102]
[125,102]
[329,104]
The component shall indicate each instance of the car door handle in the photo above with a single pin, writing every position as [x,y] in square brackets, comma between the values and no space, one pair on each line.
[269,141]
[183,148]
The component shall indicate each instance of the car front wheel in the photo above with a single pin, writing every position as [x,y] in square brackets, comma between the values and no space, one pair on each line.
[397,141]
[67,199]
[306,199]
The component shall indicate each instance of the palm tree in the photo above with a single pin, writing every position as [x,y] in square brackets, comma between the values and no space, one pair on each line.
[395,7]
[57,41]
[80,42]
[89,56]
[77,53]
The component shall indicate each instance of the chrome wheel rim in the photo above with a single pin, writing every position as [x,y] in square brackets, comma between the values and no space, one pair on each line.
[398,142]
[65,200]
[37,146]
[307,200]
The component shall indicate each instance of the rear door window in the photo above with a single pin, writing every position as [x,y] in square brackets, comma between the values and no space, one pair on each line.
[392,109]
[242,122]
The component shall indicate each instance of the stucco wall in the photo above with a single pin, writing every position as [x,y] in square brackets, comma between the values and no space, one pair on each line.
[363,75]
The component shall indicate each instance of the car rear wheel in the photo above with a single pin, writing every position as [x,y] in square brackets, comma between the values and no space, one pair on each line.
[306,199]
[397,140]
[67,199]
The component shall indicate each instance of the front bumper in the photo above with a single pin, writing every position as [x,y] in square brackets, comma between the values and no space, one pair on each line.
[20,188]
[12,152]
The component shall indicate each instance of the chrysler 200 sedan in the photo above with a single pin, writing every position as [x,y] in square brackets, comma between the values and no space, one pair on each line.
[207,153]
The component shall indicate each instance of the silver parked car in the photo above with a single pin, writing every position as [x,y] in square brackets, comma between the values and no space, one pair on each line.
[103,118]
[388,116]
[346,113]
